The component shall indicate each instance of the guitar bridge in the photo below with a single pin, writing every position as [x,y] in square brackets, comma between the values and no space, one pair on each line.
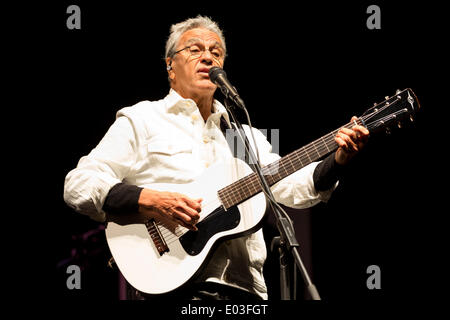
[157,237]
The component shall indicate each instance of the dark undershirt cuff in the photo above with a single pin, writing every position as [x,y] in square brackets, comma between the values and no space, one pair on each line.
[327,173]
[122,198]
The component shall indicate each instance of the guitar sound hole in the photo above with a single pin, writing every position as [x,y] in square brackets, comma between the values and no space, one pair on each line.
[217,221]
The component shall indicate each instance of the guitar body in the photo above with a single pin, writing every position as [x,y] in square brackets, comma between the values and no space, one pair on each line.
[155,271]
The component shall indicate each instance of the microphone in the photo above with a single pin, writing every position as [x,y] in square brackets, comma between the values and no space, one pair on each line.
[219,77]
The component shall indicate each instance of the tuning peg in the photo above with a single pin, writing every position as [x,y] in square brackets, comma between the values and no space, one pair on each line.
[386,98]
[397,91]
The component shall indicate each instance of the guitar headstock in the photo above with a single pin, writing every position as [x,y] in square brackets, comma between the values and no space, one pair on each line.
[393,111]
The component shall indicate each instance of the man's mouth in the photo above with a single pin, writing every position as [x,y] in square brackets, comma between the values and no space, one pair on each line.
[204,71]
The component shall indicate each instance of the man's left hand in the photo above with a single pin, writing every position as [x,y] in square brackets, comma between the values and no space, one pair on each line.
[350,142]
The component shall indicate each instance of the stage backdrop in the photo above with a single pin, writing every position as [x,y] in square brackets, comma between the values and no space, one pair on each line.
[302,69]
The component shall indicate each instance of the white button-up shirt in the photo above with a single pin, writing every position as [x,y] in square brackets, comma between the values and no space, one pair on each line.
[167,141]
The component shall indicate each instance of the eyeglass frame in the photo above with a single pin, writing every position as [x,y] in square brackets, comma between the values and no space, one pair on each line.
[219,60]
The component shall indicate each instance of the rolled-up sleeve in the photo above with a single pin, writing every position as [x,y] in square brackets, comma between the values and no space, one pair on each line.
[296,190]
[86,186]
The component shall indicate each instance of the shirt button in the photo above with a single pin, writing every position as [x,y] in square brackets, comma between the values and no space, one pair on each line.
[194,117]
[205,139]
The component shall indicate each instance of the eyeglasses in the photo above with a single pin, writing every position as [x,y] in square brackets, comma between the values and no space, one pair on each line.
[196,51]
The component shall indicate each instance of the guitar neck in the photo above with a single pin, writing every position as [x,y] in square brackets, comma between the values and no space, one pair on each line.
[248,186]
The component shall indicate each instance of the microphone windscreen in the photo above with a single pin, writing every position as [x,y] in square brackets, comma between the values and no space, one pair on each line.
[214,72]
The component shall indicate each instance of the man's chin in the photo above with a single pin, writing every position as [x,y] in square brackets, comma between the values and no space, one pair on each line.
[206,85]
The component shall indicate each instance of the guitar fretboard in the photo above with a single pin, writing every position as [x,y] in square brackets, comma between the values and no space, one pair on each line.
[248,186]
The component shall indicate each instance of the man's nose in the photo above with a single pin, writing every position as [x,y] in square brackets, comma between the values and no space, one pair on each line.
[207,57]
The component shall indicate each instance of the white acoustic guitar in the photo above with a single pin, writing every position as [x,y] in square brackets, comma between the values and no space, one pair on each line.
[158,257]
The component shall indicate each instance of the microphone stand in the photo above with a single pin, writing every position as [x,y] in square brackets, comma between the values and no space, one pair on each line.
[286,243]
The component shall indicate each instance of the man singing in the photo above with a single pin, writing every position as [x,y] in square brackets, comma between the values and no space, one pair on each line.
[174,140]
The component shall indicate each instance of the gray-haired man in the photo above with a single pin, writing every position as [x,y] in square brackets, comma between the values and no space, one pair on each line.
[174,140]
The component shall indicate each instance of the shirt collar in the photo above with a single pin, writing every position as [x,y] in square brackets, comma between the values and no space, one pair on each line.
[188,106]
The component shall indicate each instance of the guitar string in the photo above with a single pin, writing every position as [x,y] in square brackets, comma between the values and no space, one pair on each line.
[169,235]
[253,179]
[237,186]
[382,108]
[320,149]
[213,203]
[167,230]
[267,169]
[250,179]
[228,191]
[178,233]
[231,190]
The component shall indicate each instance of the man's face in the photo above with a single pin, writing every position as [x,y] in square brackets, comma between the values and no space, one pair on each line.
[190,67]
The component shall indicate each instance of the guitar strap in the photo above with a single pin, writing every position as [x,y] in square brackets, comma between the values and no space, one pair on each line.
[235,142]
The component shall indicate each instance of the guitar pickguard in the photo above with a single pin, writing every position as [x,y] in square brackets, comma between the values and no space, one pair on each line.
[217,221]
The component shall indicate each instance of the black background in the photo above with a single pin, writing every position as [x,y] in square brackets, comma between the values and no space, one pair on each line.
[304,69]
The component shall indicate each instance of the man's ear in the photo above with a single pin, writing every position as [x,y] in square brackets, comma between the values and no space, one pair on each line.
[169,68]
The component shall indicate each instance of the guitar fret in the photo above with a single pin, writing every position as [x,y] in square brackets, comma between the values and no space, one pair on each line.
[292,165]
[283,164]
[304,150]
[297,156]
[325,143]
[247,186]
[234,194]
[318,153]
[254,185]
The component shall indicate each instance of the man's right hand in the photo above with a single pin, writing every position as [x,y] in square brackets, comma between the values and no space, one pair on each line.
[173,206]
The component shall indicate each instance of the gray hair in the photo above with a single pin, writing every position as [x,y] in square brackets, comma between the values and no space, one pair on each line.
[178,29]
